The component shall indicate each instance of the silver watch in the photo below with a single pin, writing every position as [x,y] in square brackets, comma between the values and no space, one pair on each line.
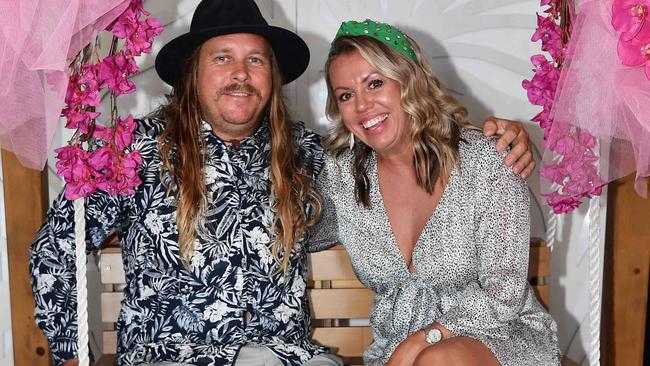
[432,334]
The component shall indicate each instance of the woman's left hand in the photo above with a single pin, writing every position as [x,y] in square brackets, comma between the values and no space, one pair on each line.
[408,350]
[512,133]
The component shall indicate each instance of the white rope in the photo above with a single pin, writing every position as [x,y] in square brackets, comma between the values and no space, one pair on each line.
[551,229]
[82,287]
[552,218]
[595,280]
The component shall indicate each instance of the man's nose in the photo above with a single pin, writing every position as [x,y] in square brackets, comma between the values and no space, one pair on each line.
[240,71]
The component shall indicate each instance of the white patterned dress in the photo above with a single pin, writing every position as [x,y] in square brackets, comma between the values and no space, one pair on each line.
[470,261]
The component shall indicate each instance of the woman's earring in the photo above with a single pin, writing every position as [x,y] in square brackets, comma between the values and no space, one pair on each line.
[351,141]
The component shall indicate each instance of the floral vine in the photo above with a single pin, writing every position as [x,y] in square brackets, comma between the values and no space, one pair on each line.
[96,157]
[574,173]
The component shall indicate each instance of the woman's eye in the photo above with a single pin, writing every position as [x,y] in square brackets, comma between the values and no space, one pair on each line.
[374,84]
[255,60]
[221,59]
[344,97]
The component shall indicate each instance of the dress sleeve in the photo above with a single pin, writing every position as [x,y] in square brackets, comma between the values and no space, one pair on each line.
[324,234]
[487,305]
[52,267]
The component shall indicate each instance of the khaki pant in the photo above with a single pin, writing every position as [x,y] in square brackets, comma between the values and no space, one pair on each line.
[256,355]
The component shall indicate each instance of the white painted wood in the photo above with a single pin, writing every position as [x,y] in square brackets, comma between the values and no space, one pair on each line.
[6,339]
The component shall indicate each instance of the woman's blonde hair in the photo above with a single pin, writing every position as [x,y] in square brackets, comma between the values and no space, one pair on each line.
[183,152]
[435,115]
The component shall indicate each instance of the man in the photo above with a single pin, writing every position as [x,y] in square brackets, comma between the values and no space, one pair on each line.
[212,239]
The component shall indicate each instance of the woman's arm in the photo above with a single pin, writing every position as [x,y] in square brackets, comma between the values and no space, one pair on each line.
[502,229]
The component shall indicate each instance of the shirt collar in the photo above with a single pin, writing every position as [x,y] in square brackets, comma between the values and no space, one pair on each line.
[260,137]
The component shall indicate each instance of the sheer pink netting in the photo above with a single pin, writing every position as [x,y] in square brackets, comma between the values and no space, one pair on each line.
[37,37]
[599,94]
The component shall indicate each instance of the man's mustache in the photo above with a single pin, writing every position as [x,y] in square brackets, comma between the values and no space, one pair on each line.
[245,88]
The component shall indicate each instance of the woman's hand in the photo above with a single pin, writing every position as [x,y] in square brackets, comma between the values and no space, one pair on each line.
[408,350]
[512,133]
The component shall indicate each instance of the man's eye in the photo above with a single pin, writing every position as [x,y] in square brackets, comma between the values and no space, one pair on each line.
[374,84]
[221,58]
[255,60]
[344,97]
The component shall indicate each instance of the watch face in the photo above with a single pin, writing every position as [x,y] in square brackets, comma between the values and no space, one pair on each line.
[434,335]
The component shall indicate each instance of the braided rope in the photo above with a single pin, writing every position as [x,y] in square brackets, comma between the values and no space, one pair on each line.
[595,280]
[82,287]
[551,229]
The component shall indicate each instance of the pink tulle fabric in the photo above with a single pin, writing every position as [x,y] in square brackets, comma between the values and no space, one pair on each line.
[37,37]
[598,93]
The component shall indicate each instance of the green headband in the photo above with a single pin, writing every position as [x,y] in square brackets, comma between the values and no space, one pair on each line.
[385,33]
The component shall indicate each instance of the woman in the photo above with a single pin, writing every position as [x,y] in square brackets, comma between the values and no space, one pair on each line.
[434,222]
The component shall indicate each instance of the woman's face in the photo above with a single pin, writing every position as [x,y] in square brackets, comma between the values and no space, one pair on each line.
[369,104]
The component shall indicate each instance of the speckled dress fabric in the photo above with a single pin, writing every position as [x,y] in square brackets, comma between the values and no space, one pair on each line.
[471,260]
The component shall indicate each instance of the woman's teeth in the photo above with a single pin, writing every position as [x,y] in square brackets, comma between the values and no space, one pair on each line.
[375,121]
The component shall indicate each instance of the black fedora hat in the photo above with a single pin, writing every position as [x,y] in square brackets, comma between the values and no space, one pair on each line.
[220,17]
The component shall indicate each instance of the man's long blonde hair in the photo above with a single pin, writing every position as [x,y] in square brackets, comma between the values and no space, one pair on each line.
[435,115]
[183,152]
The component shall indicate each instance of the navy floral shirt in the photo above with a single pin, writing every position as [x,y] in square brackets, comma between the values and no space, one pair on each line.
[233,292]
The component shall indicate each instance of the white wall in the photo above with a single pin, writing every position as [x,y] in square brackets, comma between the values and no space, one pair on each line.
[479,48]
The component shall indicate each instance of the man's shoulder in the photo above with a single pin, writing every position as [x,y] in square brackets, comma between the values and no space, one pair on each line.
[309,146]
[306,140]
[149,128]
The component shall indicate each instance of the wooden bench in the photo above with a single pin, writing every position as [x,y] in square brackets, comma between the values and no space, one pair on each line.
[340,303]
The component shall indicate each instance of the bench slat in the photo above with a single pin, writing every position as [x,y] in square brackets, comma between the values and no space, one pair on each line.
[345,341]
[340,303]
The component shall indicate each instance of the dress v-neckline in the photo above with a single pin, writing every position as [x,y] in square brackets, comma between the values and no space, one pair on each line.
[376,193]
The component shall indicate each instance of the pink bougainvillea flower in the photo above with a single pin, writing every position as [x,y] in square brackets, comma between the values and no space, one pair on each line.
[114,73]
[562,203]
[125,25]
[550,34]
[141,40]
[101,158]
[66,157]
[79,119]
[630,17]
[103,133]
[636,52]
[124,132]
[541,88]
[71,165]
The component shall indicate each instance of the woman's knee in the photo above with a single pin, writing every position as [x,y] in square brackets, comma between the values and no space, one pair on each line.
[432,356]
[457,351]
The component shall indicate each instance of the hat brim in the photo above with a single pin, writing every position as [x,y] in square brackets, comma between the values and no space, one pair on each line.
[290,50]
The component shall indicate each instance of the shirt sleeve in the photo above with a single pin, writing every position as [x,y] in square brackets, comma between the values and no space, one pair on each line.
[486,307]
[324,234]
[52,267]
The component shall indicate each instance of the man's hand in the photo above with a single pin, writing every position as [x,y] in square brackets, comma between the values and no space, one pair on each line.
[512,133]
[72,362]
[408,350]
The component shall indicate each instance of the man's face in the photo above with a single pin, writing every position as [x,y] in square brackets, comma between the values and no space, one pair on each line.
[234,83]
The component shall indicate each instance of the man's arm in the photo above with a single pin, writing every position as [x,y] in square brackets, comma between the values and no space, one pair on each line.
[520,157]
[53,271]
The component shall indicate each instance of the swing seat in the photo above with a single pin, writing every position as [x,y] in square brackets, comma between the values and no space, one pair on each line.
[340,304]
